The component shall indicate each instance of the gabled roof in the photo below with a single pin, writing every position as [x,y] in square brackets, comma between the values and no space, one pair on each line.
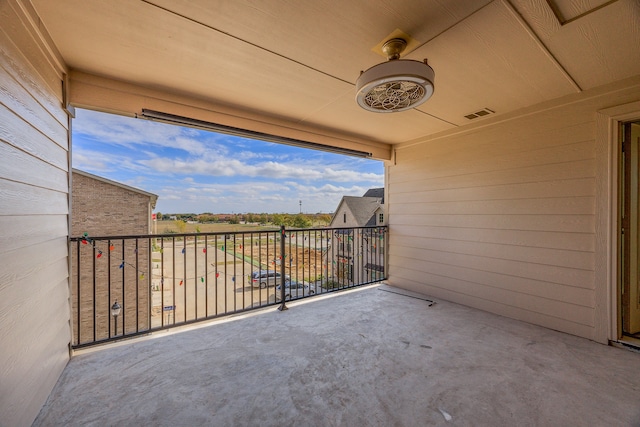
[375,192]
[362,208]
[153,197]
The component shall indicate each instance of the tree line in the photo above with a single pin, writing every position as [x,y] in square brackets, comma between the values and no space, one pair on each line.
[288,220]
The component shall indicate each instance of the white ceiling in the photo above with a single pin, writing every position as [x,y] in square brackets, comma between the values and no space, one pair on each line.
[297,61]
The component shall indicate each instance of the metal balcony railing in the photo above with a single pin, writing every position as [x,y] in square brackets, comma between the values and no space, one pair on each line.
[124,286]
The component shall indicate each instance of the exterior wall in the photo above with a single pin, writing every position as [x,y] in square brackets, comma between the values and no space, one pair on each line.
[34,187]
[379,214]
[103,209]
[505,216]
[343,217]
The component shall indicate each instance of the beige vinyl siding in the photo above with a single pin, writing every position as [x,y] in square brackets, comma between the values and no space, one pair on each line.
[34,208]
[503,217]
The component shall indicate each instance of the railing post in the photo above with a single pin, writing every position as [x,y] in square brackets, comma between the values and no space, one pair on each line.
[283,306]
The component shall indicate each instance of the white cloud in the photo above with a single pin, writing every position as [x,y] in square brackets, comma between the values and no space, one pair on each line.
[196,171]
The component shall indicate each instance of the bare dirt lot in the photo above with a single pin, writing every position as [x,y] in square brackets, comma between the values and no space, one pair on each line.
[209,277]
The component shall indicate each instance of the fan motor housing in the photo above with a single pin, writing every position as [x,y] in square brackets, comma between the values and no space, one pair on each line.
[394,86]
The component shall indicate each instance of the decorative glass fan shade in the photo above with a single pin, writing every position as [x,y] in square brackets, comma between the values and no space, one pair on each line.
[396,85]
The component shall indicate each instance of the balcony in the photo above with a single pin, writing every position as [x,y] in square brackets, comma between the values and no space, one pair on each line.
[122,286]
[374,355]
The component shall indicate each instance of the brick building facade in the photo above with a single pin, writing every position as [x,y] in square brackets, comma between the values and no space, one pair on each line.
[101,207]
[110,269]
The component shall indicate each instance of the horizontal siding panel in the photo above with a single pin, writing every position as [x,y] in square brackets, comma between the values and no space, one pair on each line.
[541,206]
[23,267]
[560,309]
[20,300]
[43,374]
[36,62]
[23,199]
[544,173]
[561,223]
[494,269]
[31,336]
[466,162]
[564,258]
[27,230]
[515,136]
[552,322]
[16,132]
[538,239]
[580,187]
[19,100]
[19,166]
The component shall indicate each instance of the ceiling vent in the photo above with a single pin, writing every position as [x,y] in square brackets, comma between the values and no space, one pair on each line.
[481,113]
[396,85]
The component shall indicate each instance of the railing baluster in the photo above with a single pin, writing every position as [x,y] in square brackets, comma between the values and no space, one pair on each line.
[224,250]
[149,281]
[137,274]
[162,282]
[215,290]
[195,267]
[124,303]
[93,266]
[78,308]
[206,276]
[233,278]
[173,281]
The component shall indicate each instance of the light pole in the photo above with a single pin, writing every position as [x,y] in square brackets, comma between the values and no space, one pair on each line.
[300,206]
[115,311]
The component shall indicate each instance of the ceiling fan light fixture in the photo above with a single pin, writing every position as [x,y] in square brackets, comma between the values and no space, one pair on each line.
[396,85]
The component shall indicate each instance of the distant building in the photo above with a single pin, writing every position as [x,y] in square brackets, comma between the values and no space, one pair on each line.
[357,249]
[365,211]
[102,207]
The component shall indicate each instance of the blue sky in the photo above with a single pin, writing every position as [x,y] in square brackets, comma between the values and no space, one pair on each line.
[197,171]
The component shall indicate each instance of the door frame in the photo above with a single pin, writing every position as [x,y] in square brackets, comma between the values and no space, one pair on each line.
[608,304]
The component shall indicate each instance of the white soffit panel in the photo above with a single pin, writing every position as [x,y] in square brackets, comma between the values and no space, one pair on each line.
[490,59]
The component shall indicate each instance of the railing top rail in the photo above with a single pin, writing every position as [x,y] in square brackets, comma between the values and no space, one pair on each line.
[217,233]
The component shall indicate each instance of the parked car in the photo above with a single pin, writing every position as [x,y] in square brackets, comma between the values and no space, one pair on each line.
[293,289]
[264,278]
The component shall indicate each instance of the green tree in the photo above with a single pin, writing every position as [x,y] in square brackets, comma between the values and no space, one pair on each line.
[301,221]
[159,216]
[278,219]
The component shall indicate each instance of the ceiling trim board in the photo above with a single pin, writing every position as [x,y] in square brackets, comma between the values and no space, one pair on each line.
[162,117]
[562,21]
[541,45]
[38,31]
[103,94]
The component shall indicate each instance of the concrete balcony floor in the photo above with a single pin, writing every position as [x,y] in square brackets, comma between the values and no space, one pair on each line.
[371,357]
